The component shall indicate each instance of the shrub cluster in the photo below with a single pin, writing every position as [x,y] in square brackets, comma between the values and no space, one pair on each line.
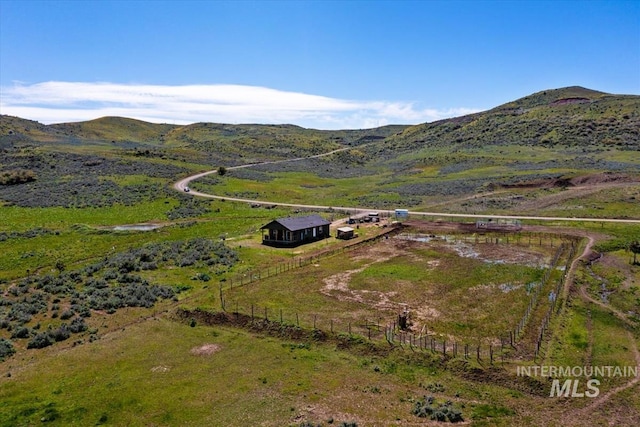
[29,234]
[180,253]
[62,284]
[22,309]
[17,176]
[80,193]
[54,188]
[149,257]
[189,207]
[428,408]
[109,284]
[61,333]
[322,167]
[136,294]
[243,173]
[6,349]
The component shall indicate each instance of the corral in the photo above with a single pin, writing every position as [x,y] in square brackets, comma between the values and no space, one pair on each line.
[455,286]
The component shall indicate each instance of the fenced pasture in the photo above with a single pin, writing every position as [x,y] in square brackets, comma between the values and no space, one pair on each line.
[465,295]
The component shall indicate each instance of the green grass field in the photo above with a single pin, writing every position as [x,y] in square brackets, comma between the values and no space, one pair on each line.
[130,361]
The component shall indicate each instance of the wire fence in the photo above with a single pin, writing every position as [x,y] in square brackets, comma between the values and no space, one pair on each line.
[516,333]
[554,301]
[523,239]
[298,326]
[382,329]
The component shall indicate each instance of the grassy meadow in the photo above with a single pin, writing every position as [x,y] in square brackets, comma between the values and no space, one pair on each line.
[89,333]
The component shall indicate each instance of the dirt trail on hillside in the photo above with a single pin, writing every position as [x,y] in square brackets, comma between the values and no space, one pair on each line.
[586,254]
[577,417]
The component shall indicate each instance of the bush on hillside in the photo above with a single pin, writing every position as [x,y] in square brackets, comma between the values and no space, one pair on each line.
[61,333]
[21,332]
[427,408]
[17,176]
[77,325]
[41,340]
[6,349]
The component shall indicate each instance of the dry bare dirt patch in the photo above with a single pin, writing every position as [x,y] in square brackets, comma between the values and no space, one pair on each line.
[205,350]
[378,282]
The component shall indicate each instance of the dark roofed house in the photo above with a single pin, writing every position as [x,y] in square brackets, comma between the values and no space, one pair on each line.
[294,231]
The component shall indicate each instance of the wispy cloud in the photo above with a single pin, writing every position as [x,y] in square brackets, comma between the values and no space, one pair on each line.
[55,102]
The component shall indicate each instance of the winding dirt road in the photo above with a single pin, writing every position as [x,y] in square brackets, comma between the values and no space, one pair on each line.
[184,183]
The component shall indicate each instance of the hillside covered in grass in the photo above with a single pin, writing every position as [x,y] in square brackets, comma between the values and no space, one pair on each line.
[126,302]
[570,117]
[550,140]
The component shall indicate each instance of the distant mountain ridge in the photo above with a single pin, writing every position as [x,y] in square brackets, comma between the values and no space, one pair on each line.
[550,139]
[571,115]
[554,97]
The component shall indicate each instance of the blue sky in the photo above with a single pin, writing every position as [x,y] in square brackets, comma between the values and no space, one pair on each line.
[319,64]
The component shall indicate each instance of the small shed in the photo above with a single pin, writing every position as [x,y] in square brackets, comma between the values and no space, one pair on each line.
[294,231]
[345,233]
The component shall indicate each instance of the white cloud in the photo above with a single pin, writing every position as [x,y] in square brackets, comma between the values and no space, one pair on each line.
[55,102]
